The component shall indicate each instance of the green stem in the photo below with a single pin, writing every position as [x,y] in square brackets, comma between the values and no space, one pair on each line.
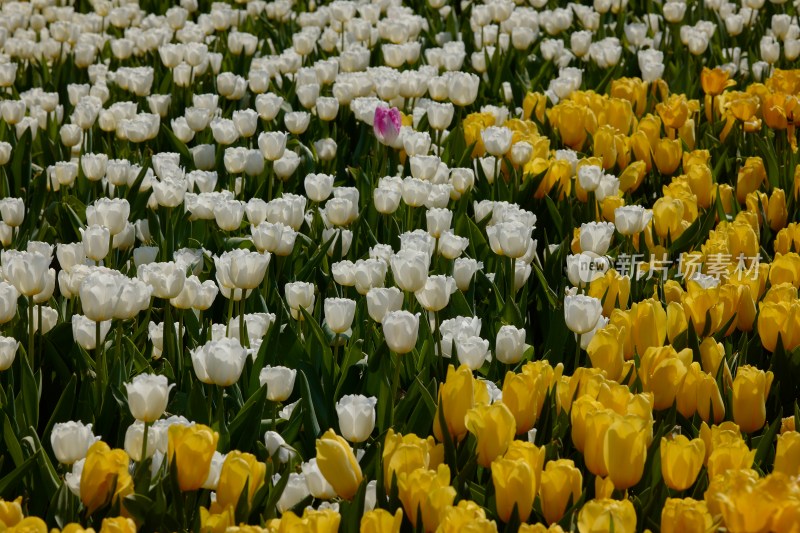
[243,340]
[395,385]
[577,352]
[144,444]
[30,331]
[99,356]
[511,276]
[230,313]
[180,345]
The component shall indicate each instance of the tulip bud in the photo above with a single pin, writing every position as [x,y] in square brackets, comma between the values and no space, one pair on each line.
[681,460]
[147,396]
[685,515]
[318,486]
[425,494]
[71,441]
[279,381]
[494,427]
[750,390]
[381,521]
[104,477]
[219,362]
[787,454]
[514,486]
[192,448]
[400,329]
[510,344]
[561,483]
[603,516]
[338,464]
[239,470]
[339,314]
[356,416]
[582,313]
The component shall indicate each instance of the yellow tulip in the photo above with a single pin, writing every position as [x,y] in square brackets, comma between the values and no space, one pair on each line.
[494,427]
[73,527]
[31,524]
[750,391]
[603,487]
[700,304]
[787,454]
[540,528]
[613,289]
[634,90]
[531,454]
[402,454]
[681,461]
[674,111]
[519,395]
[561,486]
[11,512]
[642,150]
[312,521]
[712,355]
[709,397]
[119,524]
[776,210]
[604,146]
[729,455]
[104,471]
[625,451]
[381,521]
[667,155]
[192,447]
[605,351]
[737,300]
[456,397]
[649,324]
[582,409]
[701,183]
[534,105]
[514,486]
[338,464]
[686,133]
[428,492]
[739,497]
[571,121]
[785,268]
[715,435]
[605,516]
[216,522]
[619,115]
[676,321]
[466,517]
[715,81]
[685,516]
[667,216]
[597,425]
[750,178]
[632,177]
[662,370]
[779,318]
[238,470]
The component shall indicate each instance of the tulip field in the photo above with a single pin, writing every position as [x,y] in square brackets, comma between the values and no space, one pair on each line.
[392,266]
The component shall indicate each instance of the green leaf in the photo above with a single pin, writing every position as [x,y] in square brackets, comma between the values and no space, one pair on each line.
[11,442]
[63,409]
[766,441]
[246,425]
[8,485]
[312,425]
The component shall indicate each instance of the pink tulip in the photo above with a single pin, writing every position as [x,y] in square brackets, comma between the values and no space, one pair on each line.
[387,124]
